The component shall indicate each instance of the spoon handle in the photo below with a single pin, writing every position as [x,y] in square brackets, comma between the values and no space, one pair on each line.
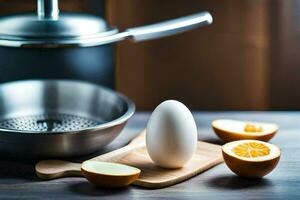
[51,169]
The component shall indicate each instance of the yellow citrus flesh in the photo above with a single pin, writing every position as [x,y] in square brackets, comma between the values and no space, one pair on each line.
[251,150]
[232,130]
[251,158]
[251,128]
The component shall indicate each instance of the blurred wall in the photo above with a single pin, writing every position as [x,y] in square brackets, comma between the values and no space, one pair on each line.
[219,67]
[285,57]
[247,60]
[16,6]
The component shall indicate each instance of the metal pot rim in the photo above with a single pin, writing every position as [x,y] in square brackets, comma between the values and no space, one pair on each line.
[69,30]
[120,120]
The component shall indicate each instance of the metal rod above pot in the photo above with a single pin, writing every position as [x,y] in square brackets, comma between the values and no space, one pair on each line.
[48,9]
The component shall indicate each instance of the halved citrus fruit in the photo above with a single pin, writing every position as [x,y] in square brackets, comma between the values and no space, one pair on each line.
[251,158]
[231,130]
[105,174]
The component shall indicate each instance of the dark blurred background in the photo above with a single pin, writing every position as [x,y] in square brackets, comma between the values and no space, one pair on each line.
[247,60]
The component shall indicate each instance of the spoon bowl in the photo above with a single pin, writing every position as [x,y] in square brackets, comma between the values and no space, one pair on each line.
[105,174]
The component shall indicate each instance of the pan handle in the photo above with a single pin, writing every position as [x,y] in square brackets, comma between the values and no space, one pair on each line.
[137,34]
[170,27]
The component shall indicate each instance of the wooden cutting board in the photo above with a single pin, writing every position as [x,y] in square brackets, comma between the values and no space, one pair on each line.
[206,156]
[135,154]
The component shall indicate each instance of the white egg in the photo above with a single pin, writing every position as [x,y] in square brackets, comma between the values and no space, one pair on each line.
[171,136]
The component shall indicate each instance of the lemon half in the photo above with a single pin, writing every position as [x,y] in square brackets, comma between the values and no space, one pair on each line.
[231,130]
[251,158]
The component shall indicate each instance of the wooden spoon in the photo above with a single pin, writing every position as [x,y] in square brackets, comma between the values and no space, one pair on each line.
[51,169]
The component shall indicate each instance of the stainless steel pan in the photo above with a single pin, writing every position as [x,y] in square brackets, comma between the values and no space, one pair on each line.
[58,118]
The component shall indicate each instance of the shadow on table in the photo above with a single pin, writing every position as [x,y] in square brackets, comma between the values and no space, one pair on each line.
[232,182]
[16,169]
[16,166]
[88,189]
[212,140]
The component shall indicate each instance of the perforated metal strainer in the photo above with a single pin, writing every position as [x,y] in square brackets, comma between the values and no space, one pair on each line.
[57,118]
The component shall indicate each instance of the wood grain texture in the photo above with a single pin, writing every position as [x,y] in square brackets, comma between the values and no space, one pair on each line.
[206,156]
[18,179]
[135,154]
[285,48]
[222,66]
[52,169]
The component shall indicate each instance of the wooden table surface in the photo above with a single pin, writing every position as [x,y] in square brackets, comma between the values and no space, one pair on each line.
[18,180]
